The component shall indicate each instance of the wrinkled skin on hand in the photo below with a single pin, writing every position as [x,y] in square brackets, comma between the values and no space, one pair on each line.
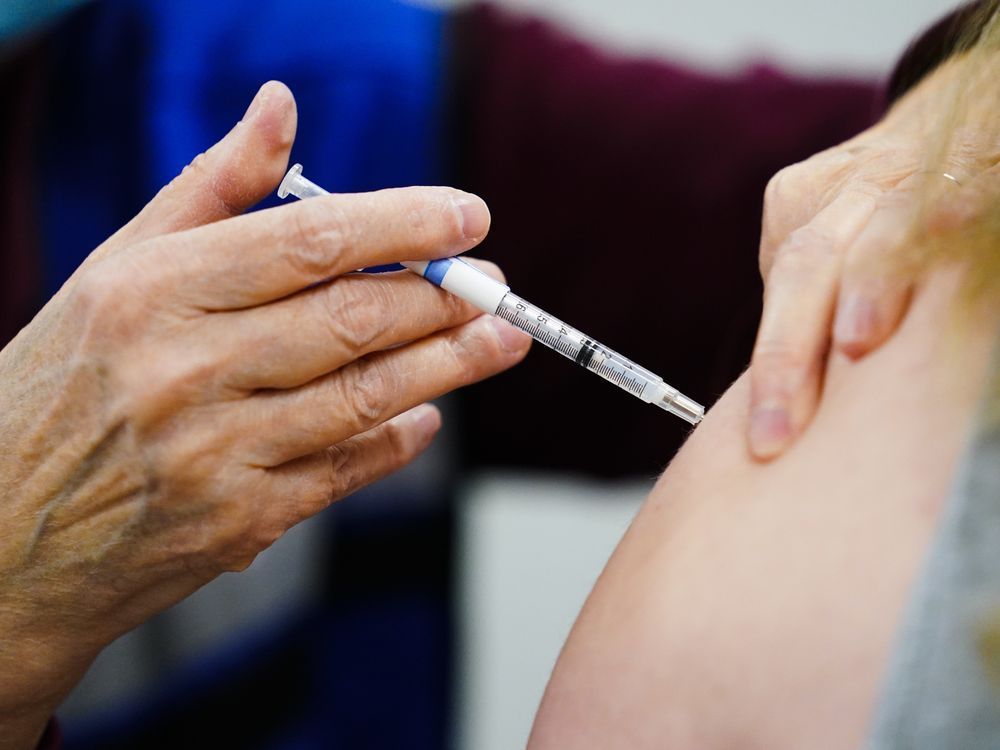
[837,236]
[204,382]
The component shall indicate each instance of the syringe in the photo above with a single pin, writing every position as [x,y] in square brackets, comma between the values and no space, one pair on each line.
[489,295]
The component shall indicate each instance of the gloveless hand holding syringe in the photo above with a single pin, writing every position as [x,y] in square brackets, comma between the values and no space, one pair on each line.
[489,295]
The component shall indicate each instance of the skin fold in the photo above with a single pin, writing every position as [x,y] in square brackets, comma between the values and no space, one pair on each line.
[753,606]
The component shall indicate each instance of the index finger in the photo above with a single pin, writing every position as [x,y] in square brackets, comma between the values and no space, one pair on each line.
[254,259]
[788,356]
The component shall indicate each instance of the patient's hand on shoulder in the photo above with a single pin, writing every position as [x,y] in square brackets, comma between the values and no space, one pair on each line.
[837,235]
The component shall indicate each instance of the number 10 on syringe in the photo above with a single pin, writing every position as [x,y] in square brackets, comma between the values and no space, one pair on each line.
[489,295]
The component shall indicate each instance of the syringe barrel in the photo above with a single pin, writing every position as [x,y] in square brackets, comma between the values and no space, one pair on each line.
[599,359]
[577,346]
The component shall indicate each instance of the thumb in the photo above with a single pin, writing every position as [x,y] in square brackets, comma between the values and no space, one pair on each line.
[233,175]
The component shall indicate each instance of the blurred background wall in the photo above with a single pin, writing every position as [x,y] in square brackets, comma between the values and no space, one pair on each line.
[852,36]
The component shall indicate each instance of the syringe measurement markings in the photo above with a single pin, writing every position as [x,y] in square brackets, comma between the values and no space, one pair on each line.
[621,378]
[544,335]
[565,347]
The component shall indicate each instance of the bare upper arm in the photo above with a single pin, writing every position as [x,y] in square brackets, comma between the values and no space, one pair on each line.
[753,605]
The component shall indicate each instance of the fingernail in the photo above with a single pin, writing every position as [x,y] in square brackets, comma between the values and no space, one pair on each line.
[770,429]
[856,320]
[258,101]
[426,420]
[512,339]
[475,217]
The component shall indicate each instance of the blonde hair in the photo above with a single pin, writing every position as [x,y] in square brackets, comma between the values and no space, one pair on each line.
[963,120]
[966,224]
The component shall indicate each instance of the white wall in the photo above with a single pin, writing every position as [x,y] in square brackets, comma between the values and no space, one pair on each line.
[532,547]
[863,36]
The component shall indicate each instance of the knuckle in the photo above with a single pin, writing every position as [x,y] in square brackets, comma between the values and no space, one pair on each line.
[344,473]
[367,393]
[451,221]
[358,312]
[98,288]
[774,356]
[261,532]
[183,455]
[456,309]
[398,447]
[321,234]
[354,464]
[773,188]
[780,196]
[781,184]
[237,549]
[902,199]
[419,225]
[949,215]
[434,309]
[431,219]
[470,353]
[806,253]
[181,377]
[217,526]
[237,563]
[973,148]
[807,242]
[106,303]
[240,533]
[234,524]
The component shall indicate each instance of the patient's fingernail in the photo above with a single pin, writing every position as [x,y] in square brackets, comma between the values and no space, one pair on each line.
[770,430]
[475,217]
[512,339]
[855,324]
